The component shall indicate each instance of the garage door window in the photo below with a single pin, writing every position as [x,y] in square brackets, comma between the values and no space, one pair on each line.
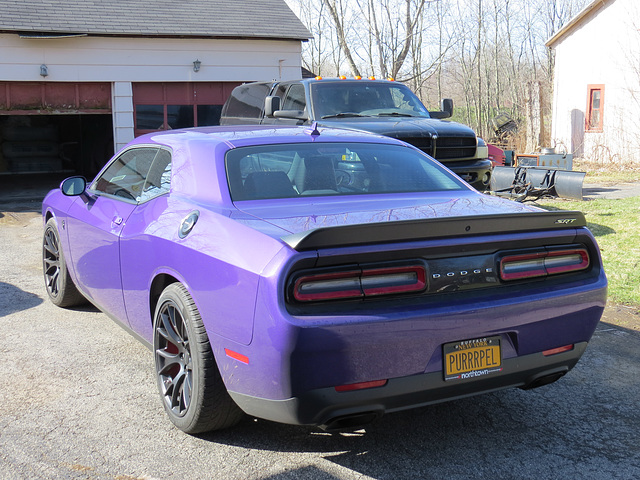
[167,106]
[180,116]
[149,117]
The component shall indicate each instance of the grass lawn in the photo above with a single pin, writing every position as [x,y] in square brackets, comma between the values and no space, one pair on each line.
[616,226]
[607,174]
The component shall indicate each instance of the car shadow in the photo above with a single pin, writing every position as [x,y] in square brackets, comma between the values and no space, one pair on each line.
[86,308]
[14,299]
[588,419]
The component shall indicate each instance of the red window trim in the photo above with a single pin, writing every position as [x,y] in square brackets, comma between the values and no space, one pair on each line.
[587,121]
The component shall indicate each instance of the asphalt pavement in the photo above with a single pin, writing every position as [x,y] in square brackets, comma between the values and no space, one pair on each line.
[79,401]
[613,191]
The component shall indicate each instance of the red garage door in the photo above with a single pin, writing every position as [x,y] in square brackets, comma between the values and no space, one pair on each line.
[54,127]
[165,106]
[29,98]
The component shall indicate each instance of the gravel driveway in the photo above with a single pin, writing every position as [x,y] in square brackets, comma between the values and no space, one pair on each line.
[79,401]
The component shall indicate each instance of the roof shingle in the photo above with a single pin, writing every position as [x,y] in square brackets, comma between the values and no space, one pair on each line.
[182,18]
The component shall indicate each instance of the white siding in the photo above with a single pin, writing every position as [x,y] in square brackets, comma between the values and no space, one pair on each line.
[86,59]
[604,49]
[122,110]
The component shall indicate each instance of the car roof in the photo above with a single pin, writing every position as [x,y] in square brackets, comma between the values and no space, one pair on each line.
[352,80]
[198,169]
[239,136]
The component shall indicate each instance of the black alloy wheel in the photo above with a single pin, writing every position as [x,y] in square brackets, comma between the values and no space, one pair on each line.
[192,391]
[60,288]
[173,359]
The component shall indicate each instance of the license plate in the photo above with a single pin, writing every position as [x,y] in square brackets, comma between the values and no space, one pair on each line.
[472,358]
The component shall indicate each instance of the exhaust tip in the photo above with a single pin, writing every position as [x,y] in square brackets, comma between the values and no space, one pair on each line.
[350,422]
[544,380]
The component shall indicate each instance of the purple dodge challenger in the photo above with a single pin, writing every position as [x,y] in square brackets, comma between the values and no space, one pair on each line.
[319,277]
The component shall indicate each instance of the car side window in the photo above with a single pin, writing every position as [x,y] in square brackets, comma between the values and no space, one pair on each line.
[158,181]
[280,91]
[295,99]
[134,174]
[247,101]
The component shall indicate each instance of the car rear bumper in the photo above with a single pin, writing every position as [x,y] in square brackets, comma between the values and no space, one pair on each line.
[332,410]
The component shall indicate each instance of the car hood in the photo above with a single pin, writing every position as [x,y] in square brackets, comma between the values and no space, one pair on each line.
[401,127]
[287,216]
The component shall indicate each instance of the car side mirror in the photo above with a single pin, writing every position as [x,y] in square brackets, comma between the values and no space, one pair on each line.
[446,109]
[292,114]
[73,186]
[271,105]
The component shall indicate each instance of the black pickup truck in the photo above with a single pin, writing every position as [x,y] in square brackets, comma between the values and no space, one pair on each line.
[379,106]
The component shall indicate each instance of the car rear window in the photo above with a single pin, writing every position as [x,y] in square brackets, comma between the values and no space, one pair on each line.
[324,169]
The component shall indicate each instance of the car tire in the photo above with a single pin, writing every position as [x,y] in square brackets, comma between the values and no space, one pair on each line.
[191,388]
[60,287]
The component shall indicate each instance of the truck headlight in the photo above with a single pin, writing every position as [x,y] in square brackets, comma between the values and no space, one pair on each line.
[482,151]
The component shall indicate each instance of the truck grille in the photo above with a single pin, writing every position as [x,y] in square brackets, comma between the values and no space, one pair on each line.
[447,148]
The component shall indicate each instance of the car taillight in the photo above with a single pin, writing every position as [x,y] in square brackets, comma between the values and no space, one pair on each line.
[539,264]
[385,281]
[367,282]
[328,286]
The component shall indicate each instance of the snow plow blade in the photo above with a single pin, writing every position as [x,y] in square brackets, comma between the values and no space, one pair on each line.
[532,183]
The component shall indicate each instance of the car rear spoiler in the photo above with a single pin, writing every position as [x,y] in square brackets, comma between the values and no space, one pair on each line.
[409,230]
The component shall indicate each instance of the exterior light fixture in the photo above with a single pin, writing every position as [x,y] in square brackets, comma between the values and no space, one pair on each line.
[196,65]
[44,71]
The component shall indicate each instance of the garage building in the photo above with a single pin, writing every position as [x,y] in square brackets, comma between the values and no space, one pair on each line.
[78,79]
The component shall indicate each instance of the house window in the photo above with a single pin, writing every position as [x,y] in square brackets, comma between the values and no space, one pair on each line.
[595,104]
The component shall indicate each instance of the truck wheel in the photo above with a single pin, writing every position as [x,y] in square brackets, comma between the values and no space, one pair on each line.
[60,288]
[192,391]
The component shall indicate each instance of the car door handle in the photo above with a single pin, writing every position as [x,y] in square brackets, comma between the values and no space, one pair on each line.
[117,220]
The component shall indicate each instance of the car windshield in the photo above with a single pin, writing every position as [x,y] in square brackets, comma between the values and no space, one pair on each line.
[351,99]
[323,169]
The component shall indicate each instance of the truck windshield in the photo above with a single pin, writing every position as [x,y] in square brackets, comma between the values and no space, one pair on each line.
[323,169]
[358,98]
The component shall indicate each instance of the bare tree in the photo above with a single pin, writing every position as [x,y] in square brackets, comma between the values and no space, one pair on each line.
[336,10]
[483,53]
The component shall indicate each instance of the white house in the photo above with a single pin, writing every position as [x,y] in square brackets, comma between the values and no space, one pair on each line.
[80,79]
[596,105]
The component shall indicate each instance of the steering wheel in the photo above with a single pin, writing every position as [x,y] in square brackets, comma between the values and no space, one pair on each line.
[121,192]
[343,178]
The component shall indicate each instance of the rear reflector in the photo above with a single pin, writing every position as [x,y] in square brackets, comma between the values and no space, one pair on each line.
[361,386]
[237,356]
[540,264]
[360,283]
[555,351]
